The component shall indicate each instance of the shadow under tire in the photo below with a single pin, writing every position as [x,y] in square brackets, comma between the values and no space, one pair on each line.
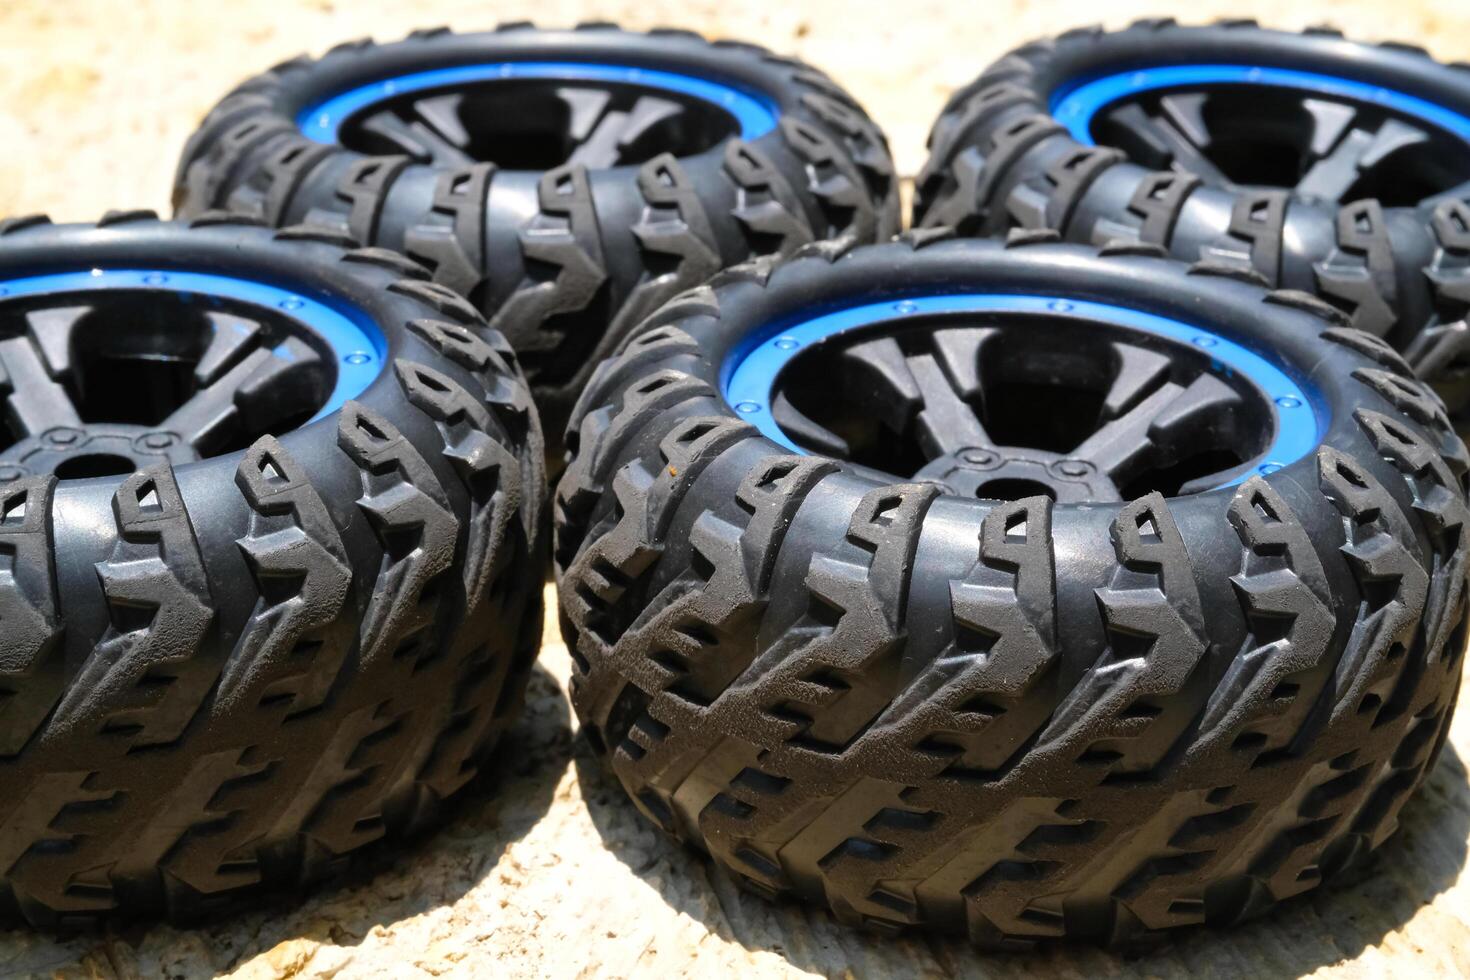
[239,649]
[567,182]
[1093,709]
[1319,164]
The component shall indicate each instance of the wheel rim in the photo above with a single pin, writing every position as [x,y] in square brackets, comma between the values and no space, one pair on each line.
[538,115]
[107,371]
[1320,136]
[1004,397]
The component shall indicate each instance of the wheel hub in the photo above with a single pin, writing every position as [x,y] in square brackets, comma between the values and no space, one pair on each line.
[526,115]
[1005,397]
[105,372]
[1011,473]
[71,452]
[1323,137]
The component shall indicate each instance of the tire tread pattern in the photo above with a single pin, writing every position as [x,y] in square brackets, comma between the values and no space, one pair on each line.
[998,794]
[185,764]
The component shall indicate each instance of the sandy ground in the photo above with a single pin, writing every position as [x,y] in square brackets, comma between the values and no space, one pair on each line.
[547,871]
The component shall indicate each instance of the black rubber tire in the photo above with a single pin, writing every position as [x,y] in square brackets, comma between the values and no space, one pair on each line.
[225,678]
[1019,721]
[609,245]
[999,160]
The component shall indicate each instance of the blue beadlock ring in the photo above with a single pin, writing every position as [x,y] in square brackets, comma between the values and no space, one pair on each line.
[756,114]
[1075,106]
[1300,418]
[358,344]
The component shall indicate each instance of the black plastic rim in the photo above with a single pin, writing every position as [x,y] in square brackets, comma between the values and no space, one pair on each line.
[106,372]
[1323,137]
[1007,397]
[538,115]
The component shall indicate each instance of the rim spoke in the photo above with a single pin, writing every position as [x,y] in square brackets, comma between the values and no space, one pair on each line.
[947,423]
[1165,141]
[614,132]
[880,366]
[1124,439]
[1185,422]
[441,151]
[1140,372]
[1326,159]
[1174,421]
[259,390]
[212,409]
[440,114]
[1330,177]
[111,374]
[806,432]
[949,382]
[1393,136]
[958,352]
[1185,112]
[234,337]
[35,402]
[387,125]
[586,106]
[416,140]
[1333,175]
[51,331]
[540,122]
[1330,122]
[284,388]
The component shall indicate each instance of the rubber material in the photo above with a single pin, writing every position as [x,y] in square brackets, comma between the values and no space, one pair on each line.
[1017,721]
[1000,159]
[228,677]
[564,262]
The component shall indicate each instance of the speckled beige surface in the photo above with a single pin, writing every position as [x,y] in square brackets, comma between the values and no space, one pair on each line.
[547,871]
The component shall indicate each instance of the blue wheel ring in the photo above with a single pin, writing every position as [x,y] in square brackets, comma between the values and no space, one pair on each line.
[755,114]
[1075,106]
[1301,417]
[358,345]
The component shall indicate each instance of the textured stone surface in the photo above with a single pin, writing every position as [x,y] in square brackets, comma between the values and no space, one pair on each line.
[547,871]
